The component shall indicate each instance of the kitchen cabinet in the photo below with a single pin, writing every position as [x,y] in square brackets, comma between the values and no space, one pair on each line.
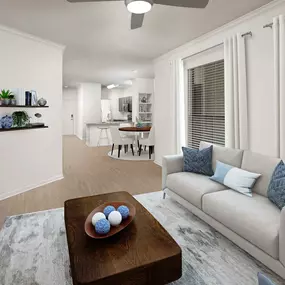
[124,104]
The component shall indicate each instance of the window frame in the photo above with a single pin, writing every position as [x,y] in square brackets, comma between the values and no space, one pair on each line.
[203,58]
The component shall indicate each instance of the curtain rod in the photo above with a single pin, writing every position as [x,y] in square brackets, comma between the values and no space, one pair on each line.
[247,34]
[220,44]
[270,25]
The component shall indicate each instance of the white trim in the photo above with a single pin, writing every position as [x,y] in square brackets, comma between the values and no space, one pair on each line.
[4,196]
[32,37]
[183,48]
[157,163]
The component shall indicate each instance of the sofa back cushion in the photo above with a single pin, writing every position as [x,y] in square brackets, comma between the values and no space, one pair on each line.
[258,163]
[223,154]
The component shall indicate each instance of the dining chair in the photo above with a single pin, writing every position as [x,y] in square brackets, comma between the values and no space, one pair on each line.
[119,141]
[148,142]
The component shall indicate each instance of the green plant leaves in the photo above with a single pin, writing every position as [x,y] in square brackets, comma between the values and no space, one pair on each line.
[6,94]
[20,118]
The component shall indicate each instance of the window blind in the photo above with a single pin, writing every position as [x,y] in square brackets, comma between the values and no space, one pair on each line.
[206,104]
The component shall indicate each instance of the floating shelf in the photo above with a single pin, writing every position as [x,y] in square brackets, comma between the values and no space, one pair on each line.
[22,106]
[22,129]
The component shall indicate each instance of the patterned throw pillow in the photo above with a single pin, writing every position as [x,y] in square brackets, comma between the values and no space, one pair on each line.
[263,280]
[276,188]
[198,161]
[235,178]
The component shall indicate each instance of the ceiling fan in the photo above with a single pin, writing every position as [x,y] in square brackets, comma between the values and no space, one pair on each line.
[138,8]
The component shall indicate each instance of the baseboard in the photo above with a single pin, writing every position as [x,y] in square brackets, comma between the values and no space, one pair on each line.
[30,187]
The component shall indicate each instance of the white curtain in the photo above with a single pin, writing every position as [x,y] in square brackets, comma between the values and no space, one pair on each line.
[236,102]
[177,87]
[279,82]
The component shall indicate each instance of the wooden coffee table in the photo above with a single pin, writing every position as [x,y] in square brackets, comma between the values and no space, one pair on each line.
[143,253]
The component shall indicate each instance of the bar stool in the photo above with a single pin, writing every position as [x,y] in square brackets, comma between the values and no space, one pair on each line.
[103,130]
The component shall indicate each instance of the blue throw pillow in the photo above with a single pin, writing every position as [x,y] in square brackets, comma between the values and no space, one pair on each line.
[198,161]
[263,280]
[276,189]
[235,178]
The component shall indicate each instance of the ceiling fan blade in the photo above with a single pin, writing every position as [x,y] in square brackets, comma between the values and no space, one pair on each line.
[137,21]
[184,3]
[82,1]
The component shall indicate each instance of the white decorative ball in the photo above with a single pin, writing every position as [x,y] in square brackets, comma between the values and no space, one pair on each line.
[98,216]
[115,218]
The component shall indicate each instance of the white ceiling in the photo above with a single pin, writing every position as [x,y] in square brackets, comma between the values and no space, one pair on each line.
[100,45]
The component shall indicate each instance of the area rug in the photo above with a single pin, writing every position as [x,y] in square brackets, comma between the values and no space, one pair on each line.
[129,156]
[33,249]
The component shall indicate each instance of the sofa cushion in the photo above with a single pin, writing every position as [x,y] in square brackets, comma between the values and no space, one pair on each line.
[226,155]
[235,178]
[255,218]
[258,163]
[198,161]
[191,186]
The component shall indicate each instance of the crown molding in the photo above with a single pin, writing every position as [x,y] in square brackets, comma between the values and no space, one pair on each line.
[221,29]
[31,37]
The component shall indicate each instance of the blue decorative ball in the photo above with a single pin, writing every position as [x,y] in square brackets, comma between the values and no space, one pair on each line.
[7,122]
[102,227]
[124,211]
[108,210]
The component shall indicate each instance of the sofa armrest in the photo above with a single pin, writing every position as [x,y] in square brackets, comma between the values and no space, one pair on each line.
[282,237]
[171,164]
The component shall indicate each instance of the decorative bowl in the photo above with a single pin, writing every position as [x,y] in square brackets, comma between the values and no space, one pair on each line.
[90,229]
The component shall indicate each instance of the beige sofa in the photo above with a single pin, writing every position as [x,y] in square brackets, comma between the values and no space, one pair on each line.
[255,224]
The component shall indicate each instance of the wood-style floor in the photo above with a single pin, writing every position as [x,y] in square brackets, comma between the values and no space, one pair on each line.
[87,171]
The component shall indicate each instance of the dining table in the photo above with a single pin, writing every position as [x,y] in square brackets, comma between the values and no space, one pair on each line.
[137,131]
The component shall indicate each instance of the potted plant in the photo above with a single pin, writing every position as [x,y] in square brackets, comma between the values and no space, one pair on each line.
[20,119]
[5,95]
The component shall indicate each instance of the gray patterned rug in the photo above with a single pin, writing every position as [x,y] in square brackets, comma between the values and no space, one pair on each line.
[33,249]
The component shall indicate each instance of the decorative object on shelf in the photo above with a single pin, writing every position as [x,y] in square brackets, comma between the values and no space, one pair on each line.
[108,210]
[102,227]
[34,98]
[144,99]
[20,119]
[124,211]
[42,102]
[7,122]
[13,101]
[5,95]
[98,216]
[38,116]
[28,98]
[115,218]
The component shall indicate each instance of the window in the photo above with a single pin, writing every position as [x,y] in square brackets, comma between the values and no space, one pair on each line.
[206,104]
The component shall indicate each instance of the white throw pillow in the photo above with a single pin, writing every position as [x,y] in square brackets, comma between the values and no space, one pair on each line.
[235,178]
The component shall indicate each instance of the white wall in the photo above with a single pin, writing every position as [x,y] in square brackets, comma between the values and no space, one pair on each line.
[262,129]
[89,106]
[34,157]
[69,107]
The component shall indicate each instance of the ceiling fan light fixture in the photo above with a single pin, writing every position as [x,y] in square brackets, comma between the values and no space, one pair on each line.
[139,6]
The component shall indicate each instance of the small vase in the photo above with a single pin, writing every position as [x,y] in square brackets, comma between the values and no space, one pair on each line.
[42,102]
[7,101]
[13,102]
